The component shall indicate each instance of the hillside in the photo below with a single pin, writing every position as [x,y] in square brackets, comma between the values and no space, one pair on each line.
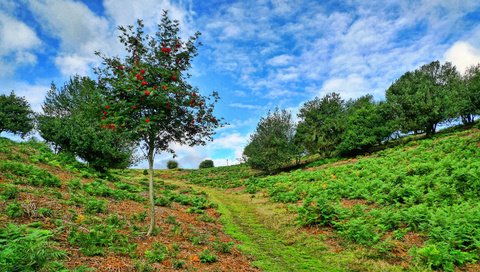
[411,207]
[58,215]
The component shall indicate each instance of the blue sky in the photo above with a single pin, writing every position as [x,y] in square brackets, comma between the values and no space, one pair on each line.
[256,54]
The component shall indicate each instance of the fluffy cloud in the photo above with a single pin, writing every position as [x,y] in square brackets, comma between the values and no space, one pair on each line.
[80,32]
[126,12]
[349,87]
[17,44]
[462,55]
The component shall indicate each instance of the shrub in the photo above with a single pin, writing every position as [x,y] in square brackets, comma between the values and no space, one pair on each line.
[96,206]
[157,254]
[45,212]
[207,257]
[29,174]
[28,249]
[171,164]
[223,247]
[14,210]
[206,164]
[96,240]
[8,191]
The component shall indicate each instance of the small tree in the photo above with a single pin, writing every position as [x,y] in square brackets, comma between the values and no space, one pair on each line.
[15,115]
[206,164]
[70,122]
[171,164]
[272,145]
[149,98]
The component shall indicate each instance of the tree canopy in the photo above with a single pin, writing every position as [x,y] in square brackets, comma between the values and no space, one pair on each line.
[147,95]
[15,115]
[70,122]
[272,144]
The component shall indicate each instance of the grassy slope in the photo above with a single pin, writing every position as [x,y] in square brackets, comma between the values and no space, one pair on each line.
[58,215]
[267,231]
[414,205]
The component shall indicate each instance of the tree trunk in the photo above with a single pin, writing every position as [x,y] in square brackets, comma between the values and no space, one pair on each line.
[151,156]
[430,129]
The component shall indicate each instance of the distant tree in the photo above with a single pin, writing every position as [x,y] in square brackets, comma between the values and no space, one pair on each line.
[322,124]
[367,123]
[147,95]
[171,164]
[206,164]
[70,122]
[419,98]
[15,115]
[465,96]
[271,146]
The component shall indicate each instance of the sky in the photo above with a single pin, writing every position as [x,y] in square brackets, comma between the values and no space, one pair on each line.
[257,54]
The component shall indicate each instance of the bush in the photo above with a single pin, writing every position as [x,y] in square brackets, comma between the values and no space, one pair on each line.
[28,249]
[171,164]
[14,210]
[95,241]
[8,191]
[96,206]
[206,164]
[157,254]
[207,257]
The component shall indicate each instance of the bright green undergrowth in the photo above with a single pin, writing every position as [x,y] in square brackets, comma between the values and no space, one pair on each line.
[429,186]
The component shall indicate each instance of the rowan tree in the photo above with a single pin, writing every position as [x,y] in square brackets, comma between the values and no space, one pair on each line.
[148,96]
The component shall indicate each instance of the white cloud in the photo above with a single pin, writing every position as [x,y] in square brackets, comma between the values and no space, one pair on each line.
[462,55]
[351,86]
[126,12]
[280,60]
[80,32]
[17,44]
[245,106]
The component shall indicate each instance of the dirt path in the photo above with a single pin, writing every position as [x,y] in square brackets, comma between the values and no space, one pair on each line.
[267,232]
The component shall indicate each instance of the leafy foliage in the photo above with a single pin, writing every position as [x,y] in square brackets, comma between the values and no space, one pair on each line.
[367,124]
[15,115]
[419,99]
[322,124]
[171,164]
[272,144]
[464,98]
[28,249]
[148,98]
[70,122]
[206,164]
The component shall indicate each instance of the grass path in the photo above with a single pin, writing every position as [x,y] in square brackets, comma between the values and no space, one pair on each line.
[268,233]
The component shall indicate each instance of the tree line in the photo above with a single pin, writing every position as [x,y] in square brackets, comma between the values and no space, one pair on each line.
[330,126]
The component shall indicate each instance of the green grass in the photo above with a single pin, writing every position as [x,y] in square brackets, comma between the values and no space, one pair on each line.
[266,233]
[430,187]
